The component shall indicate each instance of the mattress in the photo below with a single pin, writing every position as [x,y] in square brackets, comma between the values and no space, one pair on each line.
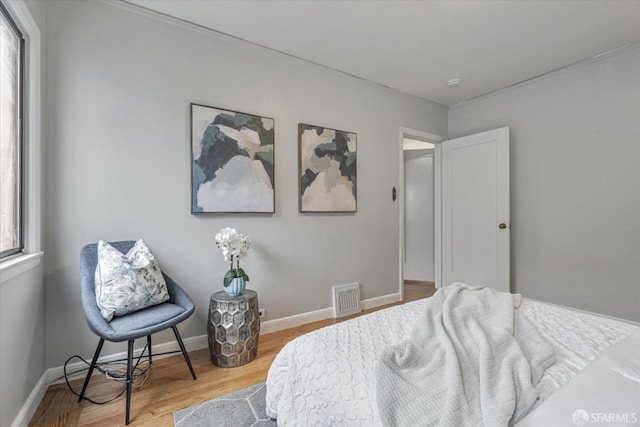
[327,377]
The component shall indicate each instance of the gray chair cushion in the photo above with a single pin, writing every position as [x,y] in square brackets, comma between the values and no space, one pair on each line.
[142,321]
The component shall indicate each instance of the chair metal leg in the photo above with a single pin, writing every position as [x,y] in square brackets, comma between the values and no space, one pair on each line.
[184,351]
[93,365]
[129,375]
[149,347]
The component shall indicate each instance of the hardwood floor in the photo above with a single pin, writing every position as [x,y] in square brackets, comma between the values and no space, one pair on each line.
[170,386]
[415,289]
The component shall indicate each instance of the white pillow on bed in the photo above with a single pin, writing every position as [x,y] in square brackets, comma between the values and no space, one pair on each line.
[127,283]
[607,391]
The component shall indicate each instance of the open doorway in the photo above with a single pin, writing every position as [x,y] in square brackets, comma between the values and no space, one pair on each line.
[418,189]
[419,257]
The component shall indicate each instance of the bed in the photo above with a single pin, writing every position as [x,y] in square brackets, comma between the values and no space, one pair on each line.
[328,377]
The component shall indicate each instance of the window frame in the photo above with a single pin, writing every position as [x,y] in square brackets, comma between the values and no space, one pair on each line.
[21,142]
[32,254]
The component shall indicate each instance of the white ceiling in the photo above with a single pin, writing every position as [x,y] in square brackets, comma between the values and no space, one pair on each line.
[415,47]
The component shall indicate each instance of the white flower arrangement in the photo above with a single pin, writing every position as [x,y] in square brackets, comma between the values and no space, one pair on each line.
[234,246]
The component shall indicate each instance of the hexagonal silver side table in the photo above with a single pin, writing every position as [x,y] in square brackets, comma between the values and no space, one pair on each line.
[233,328]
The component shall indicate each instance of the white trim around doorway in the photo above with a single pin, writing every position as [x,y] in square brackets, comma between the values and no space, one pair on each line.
[406,132]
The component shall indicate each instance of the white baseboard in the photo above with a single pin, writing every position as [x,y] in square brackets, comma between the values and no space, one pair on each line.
[381,300]
[30,406]
[275,325]
[56,375]
[269,326]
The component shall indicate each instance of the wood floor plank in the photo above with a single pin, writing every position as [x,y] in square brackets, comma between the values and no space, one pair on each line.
[170,387]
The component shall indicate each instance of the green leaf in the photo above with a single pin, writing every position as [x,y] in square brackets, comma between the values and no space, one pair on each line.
[231,274]
[240,273]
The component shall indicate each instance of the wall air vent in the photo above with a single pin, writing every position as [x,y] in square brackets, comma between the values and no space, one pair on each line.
[346,300]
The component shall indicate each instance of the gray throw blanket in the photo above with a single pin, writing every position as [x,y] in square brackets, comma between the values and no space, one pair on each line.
[471,361]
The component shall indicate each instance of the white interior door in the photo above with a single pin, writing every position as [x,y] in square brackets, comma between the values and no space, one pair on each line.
[475,217]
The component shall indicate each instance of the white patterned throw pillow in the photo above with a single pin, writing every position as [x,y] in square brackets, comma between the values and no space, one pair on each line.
[127,283]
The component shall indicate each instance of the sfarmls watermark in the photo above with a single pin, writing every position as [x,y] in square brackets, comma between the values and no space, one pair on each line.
[582,417]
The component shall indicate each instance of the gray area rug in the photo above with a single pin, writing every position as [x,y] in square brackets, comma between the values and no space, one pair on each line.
[242,408]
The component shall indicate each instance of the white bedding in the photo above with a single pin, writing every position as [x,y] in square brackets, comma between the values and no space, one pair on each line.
[327,377]
[471,360]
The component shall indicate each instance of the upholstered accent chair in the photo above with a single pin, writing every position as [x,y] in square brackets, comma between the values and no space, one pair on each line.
[134,325]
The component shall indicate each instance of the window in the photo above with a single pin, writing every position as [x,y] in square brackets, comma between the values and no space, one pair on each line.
[11,146]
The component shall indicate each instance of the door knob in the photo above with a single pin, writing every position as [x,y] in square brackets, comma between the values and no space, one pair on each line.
[502,226]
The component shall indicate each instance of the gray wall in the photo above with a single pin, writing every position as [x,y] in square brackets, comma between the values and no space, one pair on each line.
[575,182]
[119,84]
[419,219]
[22,327]
[22,334]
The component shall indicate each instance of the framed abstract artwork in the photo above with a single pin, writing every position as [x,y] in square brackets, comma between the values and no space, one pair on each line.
[232,161]
[327,169]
